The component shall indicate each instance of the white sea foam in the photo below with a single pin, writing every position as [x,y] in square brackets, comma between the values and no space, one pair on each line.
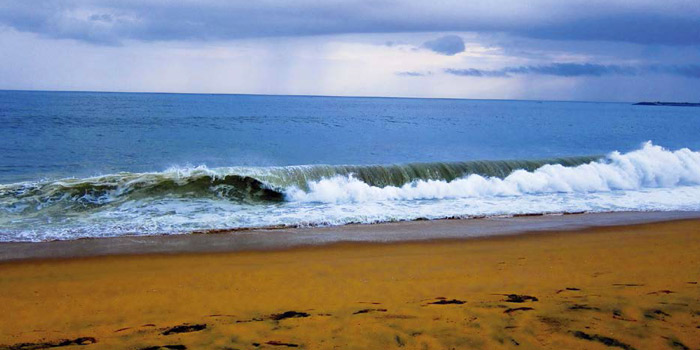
[648,179]
[649,167]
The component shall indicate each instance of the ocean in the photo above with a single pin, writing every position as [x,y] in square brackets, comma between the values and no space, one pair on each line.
[87,164]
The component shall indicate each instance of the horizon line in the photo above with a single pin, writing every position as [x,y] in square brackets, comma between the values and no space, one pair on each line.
[304,95]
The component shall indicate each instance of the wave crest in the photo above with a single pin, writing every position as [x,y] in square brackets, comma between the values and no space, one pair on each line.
[649,167]
[248,185]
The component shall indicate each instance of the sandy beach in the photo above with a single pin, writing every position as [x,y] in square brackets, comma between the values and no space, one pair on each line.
[624,287]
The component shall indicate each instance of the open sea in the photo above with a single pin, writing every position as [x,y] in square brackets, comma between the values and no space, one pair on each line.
[84,164]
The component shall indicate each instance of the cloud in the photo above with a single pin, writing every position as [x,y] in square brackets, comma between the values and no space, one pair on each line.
[413,74]
[447,45]
[580,69]
[473,72]
[573,69]
[671,22]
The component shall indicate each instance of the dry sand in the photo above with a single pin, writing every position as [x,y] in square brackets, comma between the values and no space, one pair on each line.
[627,287]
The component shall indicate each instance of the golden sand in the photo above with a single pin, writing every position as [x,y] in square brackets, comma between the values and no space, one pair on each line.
[630,287]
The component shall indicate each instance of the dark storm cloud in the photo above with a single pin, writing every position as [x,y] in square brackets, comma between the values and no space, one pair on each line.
[579,70]
[671,22]
[447,45]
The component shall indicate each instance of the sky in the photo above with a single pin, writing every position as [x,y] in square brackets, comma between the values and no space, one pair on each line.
[594,50]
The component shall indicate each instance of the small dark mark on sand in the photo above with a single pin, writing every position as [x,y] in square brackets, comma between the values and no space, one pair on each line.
[446,302]
[693,282]
[617,314]
[655,314]
[399,341]
[53,344]
[288,314]
[168,347]
[519,298]
[569,289]
[665,291]
[251,320]
[676,344]
[509,311]
[184,328]
[220,315]
[395,316]
[364,311]
[122,329]
[627,285]
[514,342]
[679,304]
[279,343]
[601,339]
[279,317]
[583,307]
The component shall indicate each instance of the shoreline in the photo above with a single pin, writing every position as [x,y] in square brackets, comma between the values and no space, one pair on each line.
[634,286]
[265,239]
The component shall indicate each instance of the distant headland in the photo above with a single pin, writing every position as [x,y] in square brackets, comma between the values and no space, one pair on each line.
[674,104]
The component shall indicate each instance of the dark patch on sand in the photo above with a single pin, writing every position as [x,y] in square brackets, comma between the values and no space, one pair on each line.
[676,344]
[519,298]
[617,314]
[53,344]
[364,311]
[583,307]
[279,343]
[447,302]
[168,347]
[509,311]
[627,285]
[397,317]
[602,339]
[184,328]
[656,314]
[288,314]
[665,291]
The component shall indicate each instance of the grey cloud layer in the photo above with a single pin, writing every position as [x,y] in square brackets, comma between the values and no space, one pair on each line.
[446,45]
[112,21]
[578,69]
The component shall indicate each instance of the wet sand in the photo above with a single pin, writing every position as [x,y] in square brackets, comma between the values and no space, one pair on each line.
[625,287]
[283,238]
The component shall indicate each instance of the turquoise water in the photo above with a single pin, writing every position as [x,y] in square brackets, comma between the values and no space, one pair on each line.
[80,164]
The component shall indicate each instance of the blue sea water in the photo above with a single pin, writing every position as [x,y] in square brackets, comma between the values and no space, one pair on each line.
[85,164]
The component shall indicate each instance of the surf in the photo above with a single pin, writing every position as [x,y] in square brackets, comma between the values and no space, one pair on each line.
[189,199]
[248,185]
[649,167]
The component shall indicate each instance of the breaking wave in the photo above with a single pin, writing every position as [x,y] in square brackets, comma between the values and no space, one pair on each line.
[649,167]
[248,185]
[181,200]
